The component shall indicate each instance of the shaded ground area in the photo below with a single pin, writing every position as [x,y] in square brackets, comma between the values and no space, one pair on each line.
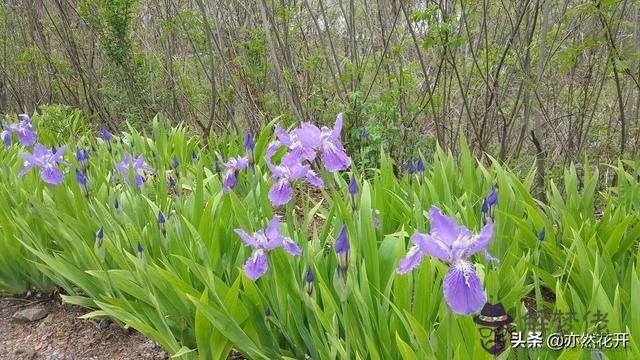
[60,335]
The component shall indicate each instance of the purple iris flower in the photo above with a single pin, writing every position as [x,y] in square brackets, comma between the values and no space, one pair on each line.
[454,244]
[305,140]
[82,182]
[26,135]
[263,241]
[232,166]
[83,158]
[46,160]
[138,165]
[334,157]
[302,143]
[283,177]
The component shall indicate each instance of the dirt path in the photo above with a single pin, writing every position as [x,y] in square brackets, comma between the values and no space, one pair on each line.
[60,335]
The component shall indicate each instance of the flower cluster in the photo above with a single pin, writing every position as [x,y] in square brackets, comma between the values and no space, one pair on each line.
[304,144]
[46,160]
[136,165]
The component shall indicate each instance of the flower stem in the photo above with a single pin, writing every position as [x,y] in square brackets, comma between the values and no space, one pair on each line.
[449,339]
[346,332]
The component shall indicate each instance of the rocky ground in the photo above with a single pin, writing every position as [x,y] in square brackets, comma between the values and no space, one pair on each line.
[41,327]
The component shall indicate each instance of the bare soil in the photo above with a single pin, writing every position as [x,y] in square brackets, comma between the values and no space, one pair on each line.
[62,336]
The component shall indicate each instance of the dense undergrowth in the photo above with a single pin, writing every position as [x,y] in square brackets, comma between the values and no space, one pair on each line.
[165,258]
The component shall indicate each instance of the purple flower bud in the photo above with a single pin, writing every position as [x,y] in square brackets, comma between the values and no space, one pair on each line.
[541,235]
[82,182]
[492,199]
[353,186]
[308,280]
[485,206]
[267,312]
[217,169]
[161,221]
[99,236]
[376,219]
[54,149]
[175,163]
[116,205]
[249,143]
[363,133]
[105,134]
[194,155]
[82,179]
[410,168]
[420,165]
[342,248]
[140,250]
[83,158]
[172,181]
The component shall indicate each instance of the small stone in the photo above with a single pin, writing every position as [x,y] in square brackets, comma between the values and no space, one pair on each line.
[59,333]
[31,314]
[104,324]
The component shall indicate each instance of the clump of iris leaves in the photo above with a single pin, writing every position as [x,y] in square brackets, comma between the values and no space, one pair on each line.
[275,244]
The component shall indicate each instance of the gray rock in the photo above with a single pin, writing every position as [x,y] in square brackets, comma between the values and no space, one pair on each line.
[33,313]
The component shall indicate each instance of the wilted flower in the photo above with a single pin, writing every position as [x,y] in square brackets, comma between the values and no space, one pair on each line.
[541,235]
[308,280]
[46,160]
[342,248]
[137,165]
[454,244]
[230,168]
[26,135]
[283,176]
[83,158]
[263,241]
[82,182]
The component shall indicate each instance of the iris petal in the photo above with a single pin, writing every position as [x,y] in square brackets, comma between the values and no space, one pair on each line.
[463,290]
[257,265]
